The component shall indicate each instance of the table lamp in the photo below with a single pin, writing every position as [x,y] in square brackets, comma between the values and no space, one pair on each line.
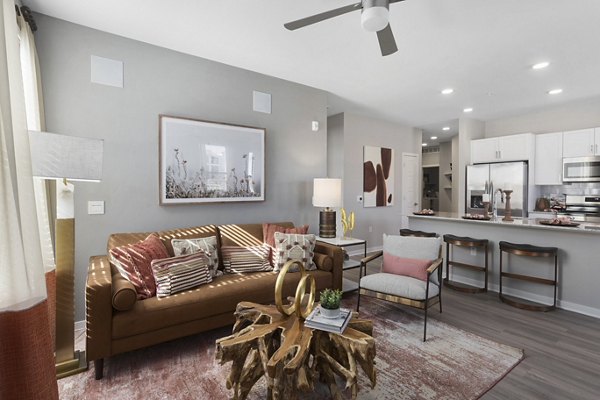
[327,193]
[63,158]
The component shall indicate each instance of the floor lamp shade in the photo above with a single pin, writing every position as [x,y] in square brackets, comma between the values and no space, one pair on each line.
[56,156]
[64,157]
[327,193]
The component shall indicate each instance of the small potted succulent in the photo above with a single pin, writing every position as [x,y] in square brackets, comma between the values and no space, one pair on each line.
[330,303]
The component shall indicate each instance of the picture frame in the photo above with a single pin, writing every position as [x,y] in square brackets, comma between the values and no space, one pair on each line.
[378,176]
[210,162]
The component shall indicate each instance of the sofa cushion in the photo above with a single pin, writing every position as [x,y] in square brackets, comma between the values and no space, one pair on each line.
[176,274]
[242,259]
[190,246]
[398,285]
[124,295]
[289,246]
[218,297]
[133,262]
[122,239]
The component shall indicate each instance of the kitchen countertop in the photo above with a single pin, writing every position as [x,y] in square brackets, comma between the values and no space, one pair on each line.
[530,223]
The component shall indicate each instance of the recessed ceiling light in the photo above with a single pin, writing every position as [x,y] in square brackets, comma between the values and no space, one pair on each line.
[433,137]
[424,144]
[446,128]
[468,109]
[541,65]
[448,91]
[555,91]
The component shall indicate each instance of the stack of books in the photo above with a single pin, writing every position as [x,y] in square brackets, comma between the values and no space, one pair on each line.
[336,325]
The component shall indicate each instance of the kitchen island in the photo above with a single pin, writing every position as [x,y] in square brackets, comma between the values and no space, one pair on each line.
[579,257]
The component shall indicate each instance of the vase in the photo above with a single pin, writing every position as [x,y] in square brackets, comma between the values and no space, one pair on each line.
[328,313]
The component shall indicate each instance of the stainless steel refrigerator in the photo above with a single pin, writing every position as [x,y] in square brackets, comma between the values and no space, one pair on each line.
[488,178]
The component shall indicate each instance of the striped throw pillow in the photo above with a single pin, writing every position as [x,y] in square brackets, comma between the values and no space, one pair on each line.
[294,247]
[176,274]
[190,246]
[133,262]
[238,259]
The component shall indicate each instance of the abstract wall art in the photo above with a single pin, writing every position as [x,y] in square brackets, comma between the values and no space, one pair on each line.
[207,162]
[378,176]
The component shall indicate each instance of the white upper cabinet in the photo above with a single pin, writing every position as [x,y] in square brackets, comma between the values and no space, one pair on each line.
[503,148]
[484,150]
[548,159]
[580,143]
[597,142]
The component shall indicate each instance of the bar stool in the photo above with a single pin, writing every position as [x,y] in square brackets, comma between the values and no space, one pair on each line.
[452,240]
[528,250]
[410,232]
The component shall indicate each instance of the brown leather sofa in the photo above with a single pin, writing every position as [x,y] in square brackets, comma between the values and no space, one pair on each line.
[117,322]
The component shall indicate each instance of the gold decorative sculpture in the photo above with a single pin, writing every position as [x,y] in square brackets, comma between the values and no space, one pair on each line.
[347,222]
[296,306]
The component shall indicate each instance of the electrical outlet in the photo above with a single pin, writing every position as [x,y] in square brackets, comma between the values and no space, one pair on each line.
[473,251]
[359,198]
[370,229]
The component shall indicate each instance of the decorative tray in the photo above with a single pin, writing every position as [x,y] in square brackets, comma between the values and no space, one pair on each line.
[424,213]
[556,222]
[476,217]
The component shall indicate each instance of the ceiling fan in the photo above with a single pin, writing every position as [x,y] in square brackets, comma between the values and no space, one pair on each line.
[374,18]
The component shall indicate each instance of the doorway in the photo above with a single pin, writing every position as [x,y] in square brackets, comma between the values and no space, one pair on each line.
[431,188]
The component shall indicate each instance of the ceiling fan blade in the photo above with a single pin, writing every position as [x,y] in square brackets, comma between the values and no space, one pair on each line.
[387,43]
[395,1]
[313,19]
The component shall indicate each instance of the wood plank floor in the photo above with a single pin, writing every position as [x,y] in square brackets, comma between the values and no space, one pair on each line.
[562,348]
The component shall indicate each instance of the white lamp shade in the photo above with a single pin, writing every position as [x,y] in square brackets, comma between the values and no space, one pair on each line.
[56,156]
[374,19]
[327,192]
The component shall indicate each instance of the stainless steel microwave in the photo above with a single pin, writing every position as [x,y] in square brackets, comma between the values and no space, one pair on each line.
[581,169]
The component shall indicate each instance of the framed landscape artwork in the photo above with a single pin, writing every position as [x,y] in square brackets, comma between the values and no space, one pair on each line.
[378,176]
[208,162]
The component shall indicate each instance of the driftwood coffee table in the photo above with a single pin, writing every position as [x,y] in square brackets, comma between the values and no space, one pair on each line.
[268,342]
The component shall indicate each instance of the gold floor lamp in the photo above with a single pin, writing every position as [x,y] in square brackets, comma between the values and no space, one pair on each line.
[66,158]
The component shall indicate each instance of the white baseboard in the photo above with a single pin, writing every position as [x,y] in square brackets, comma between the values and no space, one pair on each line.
[565,305]
[79,325]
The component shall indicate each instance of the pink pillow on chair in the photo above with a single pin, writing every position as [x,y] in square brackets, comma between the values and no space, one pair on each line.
[412,267]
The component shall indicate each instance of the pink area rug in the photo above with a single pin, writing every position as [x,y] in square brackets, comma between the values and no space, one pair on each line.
[452,364]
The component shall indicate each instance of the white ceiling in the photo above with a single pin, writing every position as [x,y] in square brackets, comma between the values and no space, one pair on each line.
[481,48]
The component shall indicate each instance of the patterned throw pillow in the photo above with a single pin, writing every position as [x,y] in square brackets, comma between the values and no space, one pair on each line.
[289,246]
[134,263]
[237,259]
[176,274]
[270,229]
[191,246]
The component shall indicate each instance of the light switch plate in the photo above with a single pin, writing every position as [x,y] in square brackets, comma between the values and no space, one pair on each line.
[95,207]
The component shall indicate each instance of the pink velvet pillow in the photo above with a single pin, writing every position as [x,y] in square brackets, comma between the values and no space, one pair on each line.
[270,229]
[412,267]
[134,263]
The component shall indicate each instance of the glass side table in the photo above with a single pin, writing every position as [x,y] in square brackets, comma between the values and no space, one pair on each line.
[347,284]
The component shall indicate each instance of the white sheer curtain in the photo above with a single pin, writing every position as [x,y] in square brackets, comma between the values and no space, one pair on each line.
[34,109]
[26,359]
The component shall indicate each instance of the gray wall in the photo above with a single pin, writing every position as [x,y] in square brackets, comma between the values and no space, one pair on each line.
[160,81]
[576,115]
[359,131]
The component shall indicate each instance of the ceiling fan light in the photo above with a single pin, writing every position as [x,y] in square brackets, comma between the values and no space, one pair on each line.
[374,19]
